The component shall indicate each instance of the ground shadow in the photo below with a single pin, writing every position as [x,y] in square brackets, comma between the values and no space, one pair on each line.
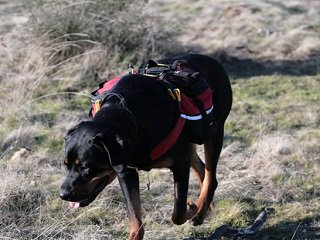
[246,67]
[305,228]
[285,230]
[301,229]
[243,67]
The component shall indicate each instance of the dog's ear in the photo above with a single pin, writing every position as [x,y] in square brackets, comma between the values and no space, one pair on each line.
[99,142]
[116,148]
[67,141]
[72,130]
[75,128]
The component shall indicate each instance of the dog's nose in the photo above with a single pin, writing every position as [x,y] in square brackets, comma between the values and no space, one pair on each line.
[65,194]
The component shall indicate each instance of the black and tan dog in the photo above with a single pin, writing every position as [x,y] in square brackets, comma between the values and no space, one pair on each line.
[118,140]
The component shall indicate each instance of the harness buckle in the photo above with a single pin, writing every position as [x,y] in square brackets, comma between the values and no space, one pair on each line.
[172,94]
[175,94]
[132,70]
[97,105]
[178,94]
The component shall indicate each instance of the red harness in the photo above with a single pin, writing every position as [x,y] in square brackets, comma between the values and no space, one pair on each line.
[97,101]
[188,111]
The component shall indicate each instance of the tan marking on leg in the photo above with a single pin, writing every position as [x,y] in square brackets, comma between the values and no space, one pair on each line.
[198,168]
[204,199]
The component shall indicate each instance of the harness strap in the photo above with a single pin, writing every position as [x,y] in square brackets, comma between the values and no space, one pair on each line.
[98,96]
[169,140]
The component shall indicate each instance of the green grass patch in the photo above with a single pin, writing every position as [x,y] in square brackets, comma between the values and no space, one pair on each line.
[273,103]
[79,103]
[46,111]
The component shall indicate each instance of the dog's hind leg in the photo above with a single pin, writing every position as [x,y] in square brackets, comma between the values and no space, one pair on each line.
[212,150]
[198,167]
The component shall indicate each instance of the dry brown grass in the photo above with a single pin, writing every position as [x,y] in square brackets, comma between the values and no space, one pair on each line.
[248,29]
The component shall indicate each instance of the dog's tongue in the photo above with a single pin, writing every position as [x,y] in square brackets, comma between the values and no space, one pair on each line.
[74,204]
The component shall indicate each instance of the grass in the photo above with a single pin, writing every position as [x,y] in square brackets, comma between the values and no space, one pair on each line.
[271,151]
[272,104]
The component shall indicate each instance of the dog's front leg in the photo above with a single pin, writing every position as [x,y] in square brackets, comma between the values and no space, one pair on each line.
[129,183]
[181,174]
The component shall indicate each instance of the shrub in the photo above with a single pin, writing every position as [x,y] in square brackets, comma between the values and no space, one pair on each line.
[123,28]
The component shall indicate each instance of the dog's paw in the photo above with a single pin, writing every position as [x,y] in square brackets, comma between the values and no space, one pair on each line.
[191,209]
[178,220]
[197,219]
[200,213]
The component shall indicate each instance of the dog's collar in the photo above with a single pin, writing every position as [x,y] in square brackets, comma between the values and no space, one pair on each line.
[106,150]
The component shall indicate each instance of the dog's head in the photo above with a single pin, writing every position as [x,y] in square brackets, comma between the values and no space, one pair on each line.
[88,163]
